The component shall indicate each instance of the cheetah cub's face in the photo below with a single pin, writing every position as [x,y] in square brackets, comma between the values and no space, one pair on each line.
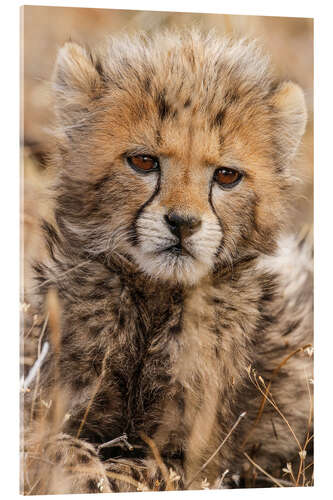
[175,150]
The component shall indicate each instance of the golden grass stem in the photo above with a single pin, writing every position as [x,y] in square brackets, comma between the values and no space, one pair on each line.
[92,398]
[263,401]
[277,409]
[127,479]
[273,479]
[152,445]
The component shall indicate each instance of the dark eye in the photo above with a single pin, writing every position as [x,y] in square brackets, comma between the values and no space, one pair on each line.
[227,177]
[143,163]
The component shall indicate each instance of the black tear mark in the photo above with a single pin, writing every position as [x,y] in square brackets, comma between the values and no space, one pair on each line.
[220,247]
[133,229]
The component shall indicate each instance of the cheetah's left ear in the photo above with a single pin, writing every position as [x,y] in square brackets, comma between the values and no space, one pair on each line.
[76,81]
[289,105]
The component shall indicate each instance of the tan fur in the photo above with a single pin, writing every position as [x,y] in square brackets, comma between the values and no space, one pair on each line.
[168,323]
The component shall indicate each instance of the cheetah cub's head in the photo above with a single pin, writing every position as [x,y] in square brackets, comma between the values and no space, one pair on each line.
[175,151]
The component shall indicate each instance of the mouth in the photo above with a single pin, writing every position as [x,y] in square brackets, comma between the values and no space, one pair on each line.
[178,250]
[171,260]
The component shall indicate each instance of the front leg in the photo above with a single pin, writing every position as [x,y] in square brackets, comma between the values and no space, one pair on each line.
[68,465]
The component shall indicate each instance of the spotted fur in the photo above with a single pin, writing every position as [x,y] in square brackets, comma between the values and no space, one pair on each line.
[169,336]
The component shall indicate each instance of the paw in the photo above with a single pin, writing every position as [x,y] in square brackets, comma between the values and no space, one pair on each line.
[142,475]
[74,467]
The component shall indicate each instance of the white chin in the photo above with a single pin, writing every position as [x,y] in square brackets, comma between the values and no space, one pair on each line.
[182,269]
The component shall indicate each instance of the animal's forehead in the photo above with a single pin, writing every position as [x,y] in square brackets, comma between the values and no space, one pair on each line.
[191,138]
[199,100]
[180,128]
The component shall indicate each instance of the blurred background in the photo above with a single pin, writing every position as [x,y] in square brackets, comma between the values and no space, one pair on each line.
[45,29]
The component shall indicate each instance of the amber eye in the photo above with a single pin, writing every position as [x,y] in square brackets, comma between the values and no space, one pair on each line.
[143,163]
[227,177]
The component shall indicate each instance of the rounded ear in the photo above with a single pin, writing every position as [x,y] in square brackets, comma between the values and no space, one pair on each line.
[288,103]
[75,81]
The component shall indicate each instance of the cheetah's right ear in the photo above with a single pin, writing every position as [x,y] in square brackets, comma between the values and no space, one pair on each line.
[290,110]
[76,81]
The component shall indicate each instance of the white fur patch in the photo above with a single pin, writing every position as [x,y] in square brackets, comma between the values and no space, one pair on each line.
[155,238]
[292,261]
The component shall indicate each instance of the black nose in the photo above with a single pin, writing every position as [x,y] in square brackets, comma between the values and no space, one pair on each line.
[182,226]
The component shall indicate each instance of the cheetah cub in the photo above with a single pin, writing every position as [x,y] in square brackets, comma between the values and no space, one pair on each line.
[176,285]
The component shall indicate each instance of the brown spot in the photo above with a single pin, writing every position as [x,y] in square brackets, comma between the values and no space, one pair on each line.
[147,85]
[217,121]
[58,456]
[158,138]
[84,459]
[121,319]
[92,486]
[164,108]
[113,485]
[135,474]
[221,141]
[101,72]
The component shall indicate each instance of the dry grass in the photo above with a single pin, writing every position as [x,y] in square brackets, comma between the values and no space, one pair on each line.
[303,468]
